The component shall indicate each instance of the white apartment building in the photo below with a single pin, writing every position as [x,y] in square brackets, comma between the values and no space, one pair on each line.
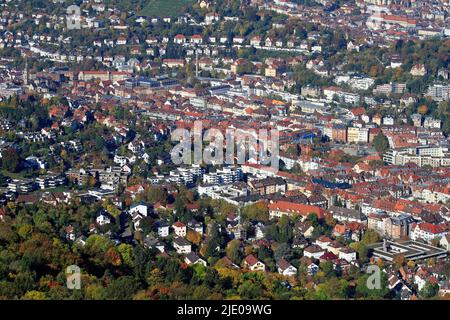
[439,92]
[427,232]
[186,175]
[226,175]
[424,155]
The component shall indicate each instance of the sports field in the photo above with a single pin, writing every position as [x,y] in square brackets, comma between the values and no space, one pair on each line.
[166,8]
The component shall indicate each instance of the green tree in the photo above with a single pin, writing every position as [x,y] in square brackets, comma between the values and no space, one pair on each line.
[370,237]
[250,290]
[429,290]
[381,143]
[363,291]
[333,289]
[122,288]
[233,251]
[11,160]
[126,252]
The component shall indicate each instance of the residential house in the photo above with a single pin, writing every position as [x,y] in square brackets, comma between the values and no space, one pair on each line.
[253,264]
[163,229]
[347,254]
[323,242]
[311,267]
[342,214]
[152,243]
[103,218]
[268,185]
[445,241]
[179,229]
[428,231]
[313,251]
[418,70]
[303,228]
[179,39]
[181,245]
[140,208]
[195,226]
[285,268]
[193,258]
[255,41]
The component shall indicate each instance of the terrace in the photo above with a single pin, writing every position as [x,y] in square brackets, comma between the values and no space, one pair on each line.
[412,250]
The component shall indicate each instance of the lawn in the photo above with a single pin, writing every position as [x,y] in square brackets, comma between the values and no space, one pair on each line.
[166,8]
[56,189]
[12,175]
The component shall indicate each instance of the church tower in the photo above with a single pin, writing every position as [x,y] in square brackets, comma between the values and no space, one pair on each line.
[25,75]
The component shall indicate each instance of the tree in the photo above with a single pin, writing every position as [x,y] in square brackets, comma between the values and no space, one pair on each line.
[284,230]
[233,251]
[112,209]
[122,288]
[362,251]
[312,217]
[327,268]
[429,290]
[201,293]
[381,143]
[399,260]
[364,291]
[141,259]
[11,160]
[282,250]
[329,220]
[113,257]
[257,211]
[411,264]
[95,292]
[147,225]
[332,289]
[370,237]
[423,109]
[250,290]
[194,237]
[126,252]
[34,295]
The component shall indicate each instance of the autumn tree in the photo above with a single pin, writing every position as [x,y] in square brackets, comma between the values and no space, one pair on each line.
[399,260]
[194,237]
[423,109]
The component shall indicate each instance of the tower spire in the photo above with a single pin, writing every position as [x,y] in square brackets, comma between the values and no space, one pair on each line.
[196,62]
[25,73]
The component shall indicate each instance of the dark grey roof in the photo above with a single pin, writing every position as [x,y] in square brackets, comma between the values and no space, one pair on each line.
[192,257]
[181,241]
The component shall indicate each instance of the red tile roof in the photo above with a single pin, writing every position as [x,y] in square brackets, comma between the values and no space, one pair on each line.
[179,224]
[251,260]
[297,208]
[431,228]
